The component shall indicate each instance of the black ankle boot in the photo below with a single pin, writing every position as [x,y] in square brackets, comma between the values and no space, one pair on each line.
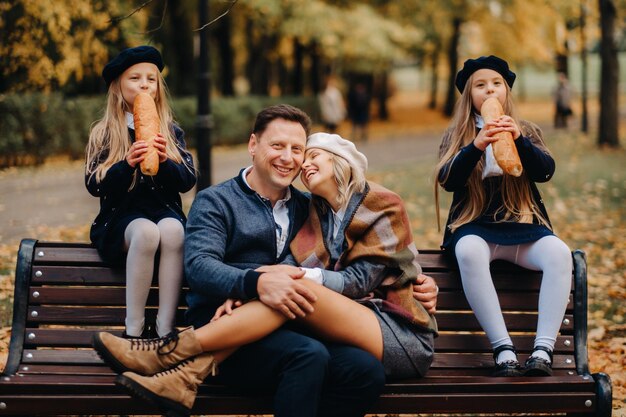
[538,366]
[506,368]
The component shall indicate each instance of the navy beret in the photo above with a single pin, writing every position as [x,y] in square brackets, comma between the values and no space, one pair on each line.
[490,62]
[129,57]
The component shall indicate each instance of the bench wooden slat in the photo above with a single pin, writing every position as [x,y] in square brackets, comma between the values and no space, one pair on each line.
[446,342]
[117,296]
[429,403]
[61,255]
[87,315]
[114,316]
[102,369]
[77,275]
[441,360]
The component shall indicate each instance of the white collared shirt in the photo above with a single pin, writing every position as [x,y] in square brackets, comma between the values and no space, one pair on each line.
[130,120]
[280,212]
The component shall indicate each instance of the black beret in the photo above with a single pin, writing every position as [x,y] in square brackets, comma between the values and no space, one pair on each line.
[129,57]
[490,62]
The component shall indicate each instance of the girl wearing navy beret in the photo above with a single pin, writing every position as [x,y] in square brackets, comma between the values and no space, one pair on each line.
[497,216]
[140,216]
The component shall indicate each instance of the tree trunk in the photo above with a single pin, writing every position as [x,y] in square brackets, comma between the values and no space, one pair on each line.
[434,81]
[298,71]
[453,63]
[227,73]
[257,68]
[608,129]
[177,45]
[316,69]
[382,93]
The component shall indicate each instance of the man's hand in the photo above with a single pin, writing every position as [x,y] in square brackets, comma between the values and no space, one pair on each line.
[425,291]
[280,268]
[284,293]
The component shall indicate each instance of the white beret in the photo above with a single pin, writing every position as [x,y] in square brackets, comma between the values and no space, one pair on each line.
[337,145]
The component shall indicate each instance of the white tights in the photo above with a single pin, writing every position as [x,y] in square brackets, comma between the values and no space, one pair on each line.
[548,254]
[142,240]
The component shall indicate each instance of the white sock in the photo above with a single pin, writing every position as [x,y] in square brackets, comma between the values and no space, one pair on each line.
[506,355]
[541,354]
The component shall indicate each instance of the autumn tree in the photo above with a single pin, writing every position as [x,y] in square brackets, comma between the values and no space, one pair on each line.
[46,45]
[609,76]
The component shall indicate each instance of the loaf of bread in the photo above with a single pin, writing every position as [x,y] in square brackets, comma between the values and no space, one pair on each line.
[504,149]
[147,125]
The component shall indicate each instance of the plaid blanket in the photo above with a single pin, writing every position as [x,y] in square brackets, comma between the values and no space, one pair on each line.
[379,232]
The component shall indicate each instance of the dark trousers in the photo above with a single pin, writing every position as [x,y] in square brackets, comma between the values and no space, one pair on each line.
[309,378]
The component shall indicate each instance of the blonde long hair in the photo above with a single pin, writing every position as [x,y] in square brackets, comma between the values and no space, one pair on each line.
[349,180]
[109,135]
[516,192]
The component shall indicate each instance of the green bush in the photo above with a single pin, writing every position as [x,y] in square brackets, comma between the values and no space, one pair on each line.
[35,126]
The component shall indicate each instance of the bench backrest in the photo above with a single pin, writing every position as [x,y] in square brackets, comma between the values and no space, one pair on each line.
[64,292]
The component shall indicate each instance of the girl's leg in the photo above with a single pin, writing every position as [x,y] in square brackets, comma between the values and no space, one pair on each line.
[141,239]
[474,255]
[336,318]
[552,256]
[170,272]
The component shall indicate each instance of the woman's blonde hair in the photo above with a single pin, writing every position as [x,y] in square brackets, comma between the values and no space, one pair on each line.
[516,192]
[109,135]
[349,179]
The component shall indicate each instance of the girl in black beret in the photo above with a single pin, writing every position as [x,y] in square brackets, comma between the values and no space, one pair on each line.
[140,215]
[497,216]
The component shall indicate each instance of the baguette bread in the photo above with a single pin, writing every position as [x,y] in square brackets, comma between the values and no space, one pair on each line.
[147,125]
[504,149]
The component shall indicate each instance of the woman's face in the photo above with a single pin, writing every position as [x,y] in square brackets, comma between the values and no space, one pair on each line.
[318,174]
[140,78]
[487,83]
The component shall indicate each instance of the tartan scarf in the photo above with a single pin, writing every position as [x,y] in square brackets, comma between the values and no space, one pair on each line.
[378,230]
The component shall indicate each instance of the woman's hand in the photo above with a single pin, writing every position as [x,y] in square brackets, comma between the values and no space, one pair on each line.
[136,153]
[227,308]
[159,144]
[425,291]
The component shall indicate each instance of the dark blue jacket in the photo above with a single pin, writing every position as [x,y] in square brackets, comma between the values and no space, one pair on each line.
[151,193]
[538,166]
[230,232]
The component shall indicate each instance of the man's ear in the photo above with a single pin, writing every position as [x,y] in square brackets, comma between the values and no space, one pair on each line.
[252,142]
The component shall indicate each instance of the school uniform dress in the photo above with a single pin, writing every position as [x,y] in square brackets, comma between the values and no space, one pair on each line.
[153,198]
[538,166]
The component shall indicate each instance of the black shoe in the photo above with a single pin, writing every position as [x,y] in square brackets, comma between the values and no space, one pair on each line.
[149,332]
[506,368]
[538,366]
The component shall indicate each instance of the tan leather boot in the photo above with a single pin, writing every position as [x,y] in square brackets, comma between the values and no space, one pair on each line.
[174,390]
[146,356]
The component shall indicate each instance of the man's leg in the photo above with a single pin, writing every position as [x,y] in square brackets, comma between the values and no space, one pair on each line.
[292,363]
[355,381]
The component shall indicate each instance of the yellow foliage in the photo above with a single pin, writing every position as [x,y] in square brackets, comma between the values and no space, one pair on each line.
[46,44]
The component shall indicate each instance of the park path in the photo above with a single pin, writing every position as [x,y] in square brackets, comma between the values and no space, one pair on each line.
[54,195]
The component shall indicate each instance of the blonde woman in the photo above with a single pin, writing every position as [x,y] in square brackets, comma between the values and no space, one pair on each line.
[355,245]
[139,215]
[496,216]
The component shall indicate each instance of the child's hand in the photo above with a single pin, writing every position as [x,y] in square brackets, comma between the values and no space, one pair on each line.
[485,137]
[507,124]
[136,153]
[159,144]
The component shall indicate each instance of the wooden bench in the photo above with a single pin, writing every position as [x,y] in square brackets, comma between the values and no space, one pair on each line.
[64,292]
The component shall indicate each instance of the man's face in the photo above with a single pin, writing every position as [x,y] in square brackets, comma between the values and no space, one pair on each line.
[277,155]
